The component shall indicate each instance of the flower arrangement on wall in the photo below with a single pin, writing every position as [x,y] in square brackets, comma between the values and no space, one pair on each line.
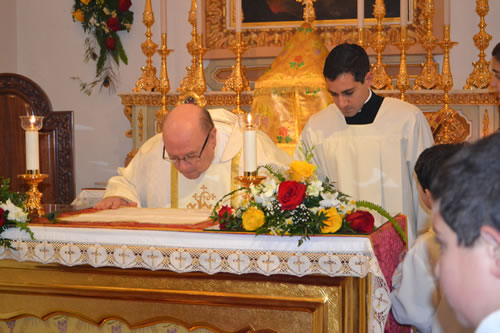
[296,202]
[12,211]
[102,20]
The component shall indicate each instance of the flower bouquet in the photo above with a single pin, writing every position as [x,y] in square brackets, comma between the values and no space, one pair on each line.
[12,211]
[296,202]
[102,19]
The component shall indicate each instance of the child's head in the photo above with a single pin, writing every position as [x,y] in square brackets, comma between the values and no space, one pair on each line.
[427,167]
[466,218]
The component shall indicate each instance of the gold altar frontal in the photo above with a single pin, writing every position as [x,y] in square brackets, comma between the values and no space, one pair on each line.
[221,302]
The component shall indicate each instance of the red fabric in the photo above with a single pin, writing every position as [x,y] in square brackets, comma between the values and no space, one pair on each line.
[388,246]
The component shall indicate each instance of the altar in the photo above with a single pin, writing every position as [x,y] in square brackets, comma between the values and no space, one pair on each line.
[202,281]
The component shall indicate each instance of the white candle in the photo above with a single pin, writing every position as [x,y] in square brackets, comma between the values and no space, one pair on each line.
[199,16]
[403,13]
[361,13]
[238,15]
[249,150]
[446,12]
[32,153]
[163,16]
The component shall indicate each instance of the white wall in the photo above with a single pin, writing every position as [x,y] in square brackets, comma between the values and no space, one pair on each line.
[39,39]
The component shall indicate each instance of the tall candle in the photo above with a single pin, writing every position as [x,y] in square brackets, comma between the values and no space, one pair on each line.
[199,16]
[238,15]
[163,16]
[249,147]
[446,12]
[361,13]
[32,153]
[403,13]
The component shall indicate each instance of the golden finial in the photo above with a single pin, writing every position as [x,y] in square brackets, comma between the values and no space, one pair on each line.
[309,13]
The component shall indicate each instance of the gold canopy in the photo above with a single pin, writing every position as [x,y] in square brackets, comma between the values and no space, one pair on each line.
[293,88]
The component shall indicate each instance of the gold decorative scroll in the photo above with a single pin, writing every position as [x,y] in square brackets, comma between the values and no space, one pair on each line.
[268,41]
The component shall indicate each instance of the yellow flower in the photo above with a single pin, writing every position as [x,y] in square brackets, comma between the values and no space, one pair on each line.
[301,170]
[333,221]
[85,2]
[253,218]
[78,15]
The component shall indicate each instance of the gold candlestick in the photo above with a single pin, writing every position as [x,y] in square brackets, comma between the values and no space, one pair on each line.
[164,83]
[428,77]
[148,80]
[380,78]
[238,81]
[480,78]
[250,178]
[361,40]
[403,81]
[447,113]
[194,84]
[33,201]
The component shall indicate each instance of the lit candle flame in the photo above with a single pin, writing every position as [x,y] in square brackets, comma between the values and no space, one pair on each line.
[249,120]
[32,120]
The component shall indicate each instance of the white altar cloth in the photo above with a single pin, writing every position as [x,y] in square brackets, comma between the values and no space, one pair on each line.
[209,252]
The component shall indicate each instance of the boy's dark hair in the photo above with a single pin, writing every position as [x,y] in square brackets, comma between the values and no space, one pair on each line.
[431,159]
[496,52]
[467,189]
[347,58]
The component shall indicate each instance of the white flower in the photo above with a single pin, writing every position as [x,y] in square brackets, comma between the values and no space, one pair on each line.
[15,213]
[329,200]
[264,193]
[93,21]
[314,188]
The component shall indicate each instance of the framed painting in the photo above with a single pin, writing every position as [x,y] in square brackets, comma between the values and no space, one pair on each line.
[269,24]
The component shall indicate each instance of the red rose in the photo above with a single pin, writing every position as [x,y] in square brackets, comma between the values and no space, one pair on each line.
[2,216]
[110,43]
[361,221]
[124,5]
[298,59]
[291,194]
[224,213]
[114,24]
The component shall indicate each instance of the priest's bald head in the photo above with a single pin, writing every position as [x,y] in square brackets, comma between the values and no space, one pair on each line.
[189,138]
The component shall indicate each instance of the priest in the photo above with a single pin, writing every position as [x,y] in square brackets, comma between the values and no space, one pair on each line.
[191,164]
[365,143]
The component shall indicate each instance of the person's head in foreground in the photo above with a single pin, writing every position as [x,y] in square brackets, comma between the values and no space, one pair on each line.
[495,68]
[189,136]
[466,219]
[427,167]
[348,77]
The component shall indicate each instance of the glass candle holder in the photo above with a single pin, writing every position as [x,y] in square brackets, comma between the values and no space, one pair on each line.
[31,125]
[249,124]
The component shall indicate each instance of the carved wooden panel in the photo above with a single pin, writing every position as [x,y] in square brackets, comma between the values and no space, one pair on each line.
[19,95]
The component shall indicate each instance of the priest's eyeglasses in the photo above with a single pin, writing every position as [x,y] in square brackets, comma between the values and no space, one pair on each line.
[191,158]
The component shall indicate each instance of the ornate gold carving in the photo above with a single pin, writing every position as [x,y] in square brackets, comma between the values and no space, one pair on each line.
[140,118]
[148,80]
[481,75]
[195,79]
[428,77]
[458,128]
[403,81]
[238,81]
[486,124]
[164,83]
[309,13]
[127,111]
[380,78]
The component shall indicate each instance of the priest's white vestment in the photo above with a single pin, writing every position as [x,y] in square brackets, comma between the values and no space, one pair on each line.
[374,161]
[147,179]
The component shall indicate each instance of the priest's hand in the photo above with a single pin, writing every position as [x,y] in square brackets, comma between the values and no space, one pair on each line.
[114,203]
